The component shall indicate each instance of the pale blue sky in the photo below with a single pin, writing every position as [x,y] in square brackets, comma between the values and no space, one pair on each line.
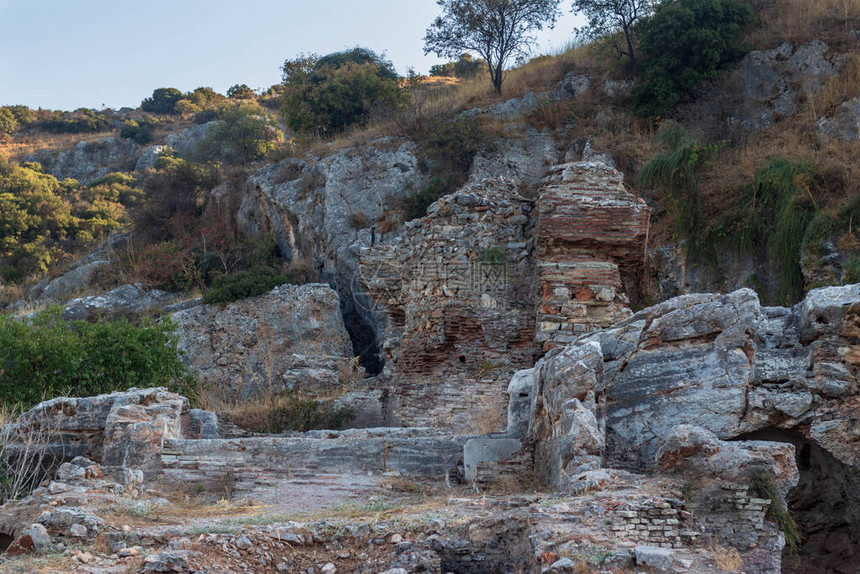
[65,54]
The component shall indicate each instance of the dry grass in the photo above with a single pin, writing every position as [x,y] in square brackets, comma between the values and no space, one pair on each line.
[803,20]
[19,147]
[24,456]
[726,559]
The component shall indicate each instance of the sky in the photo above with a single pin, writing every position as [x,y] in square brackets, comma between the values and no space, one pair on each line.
[67,54]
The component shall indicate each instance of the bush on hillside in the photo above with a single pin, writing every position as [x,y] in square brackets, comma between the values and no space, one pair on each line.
[257,281]
[685,43]
[43,220]
[78,122]
[140,132]
[777,213]
[465,67]
[343,89]
[246,133]
[162,101]
[175,187]
[45,357]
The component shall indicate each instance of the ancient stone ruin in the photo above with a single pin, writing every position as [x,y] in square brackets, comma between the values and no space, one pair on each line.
[680,438]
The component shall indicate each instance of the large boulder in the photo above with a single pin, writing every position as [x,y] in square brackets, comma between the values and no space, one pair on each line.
[130,300]
[722,363]
[291,338]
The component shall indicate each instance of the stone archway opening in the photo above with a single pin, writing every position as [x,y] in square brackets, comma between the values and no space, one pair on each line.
[826,506]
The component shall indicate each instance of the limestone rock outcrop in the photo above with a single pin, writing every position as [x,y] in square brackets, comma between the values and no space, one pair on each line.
[667,388]
[88,161]
[131,300]
[291,338]
[325,211]
[773,84]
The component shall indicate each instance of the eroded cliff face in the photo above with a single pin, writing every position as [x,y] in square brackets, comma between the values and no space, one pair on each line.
[291,338]
[626,397]
[323,212]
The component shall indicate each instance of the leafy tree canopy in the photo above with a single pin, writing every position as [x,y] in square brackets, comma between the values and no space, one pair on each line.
[163,101]
[246,133]
[240,92]
[685,43]
[494,29]
[465,67]
[326,95]
[43,220]
[608,17]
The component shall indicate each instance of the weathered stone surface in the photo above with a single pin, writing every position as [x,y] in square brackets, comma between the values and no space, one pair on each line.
[326,211]
[135,421]
[591,232]
[88,161]
[721,362]
[843,124]
[149,157]
[565,418]
[126,301]
[186,141]
[135,430]
[487,450]
[775,83]
[454,295]
[520,403]
[697,452]
[246,463]
[524,157]
[292,338]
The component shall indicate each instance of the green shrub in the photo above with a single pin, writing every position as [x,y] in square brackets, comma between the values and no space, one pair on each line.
[140,132]
[244,284]
[327,95]
[674,170]
[240,92]
[851,274]
[163,101]
[246,132]
[777,213]
[416,205]
[257,281]
[77,122]
[43,220]
[8,123]
[685,43]
[46,357]
[450,147]
[465,67]
[763,486]
[13,118]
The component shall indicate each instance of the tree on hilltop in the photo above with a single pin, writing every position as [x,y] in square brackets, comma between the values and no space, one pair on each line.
[607,17]
[163,101]
[494,29]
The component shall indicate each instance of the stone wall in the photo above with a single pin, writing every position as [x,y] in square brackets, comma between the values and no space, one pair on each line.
[591,231]
[454,293]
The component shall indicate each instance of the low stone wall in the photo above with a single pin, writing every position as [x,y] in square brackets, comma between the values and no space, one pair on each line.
[409,452]
[657,522]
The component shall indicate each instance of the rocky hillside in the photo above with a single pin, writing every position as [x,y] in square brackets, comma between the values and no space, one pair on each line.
[488,333]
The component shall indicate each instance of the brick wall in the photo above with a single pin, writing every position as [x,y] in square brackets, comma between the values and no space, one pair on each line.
[590,230]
